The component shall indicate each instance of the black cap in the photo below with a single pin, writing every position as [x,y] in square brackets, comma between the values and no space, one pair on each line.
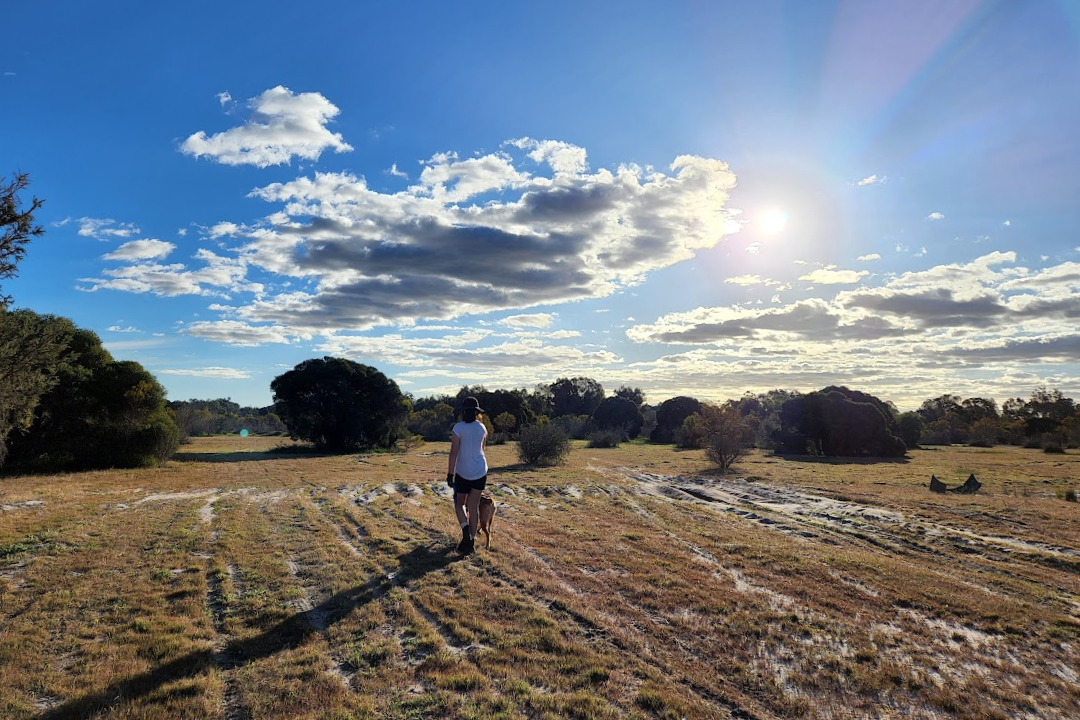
[471,403]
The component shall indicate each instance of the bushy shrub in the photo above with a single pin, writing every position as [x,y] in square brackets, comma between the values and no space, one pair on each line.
[609,438]
[543,444]
[693,434]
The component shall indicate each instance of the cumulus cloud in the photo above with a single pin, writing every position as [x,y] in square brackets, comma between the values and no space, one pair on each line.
[812,319]
[748,280]
[234,332]
[872,180]
[935,216]
[869,258]
[216,277]
[222,373]
[119,329]
[829,276]
[101,228]
[141,250]
[282,125]
[535,320]
[484,234]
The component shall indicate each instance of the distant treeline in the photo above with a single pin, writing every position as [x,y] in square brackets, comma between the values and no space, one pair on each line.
[832,421]
[198,418]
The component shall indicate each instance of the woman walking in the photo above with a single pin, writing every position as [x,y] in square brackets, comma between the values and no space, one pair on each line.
[468,469]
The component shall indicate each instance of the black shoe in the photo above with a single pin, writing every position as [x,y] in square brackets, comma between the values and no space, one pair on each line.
[466,541]
[466,547]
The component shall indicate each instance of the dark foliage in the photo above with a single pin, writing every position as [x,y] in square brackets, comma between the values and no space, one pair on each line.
[616,413]
[543,444]
[836,423]
[31,347]
[634,395]
[571,396]
[16,226]
[670,416]
[340,405]
[100,413]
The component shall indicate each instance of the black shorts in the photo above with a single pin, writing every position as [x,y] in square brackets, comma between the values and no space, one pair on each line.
[463,486]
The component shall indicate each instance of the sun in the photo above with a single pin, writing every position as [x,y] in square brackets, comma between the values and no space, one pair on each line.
[772,221]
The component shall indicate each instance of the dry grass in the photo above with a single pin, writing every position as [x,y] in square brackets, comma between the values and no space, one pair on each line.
[630,582]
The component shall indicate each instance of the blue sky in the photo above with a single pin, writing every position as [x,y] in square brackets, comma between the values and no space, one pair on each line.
[690,198]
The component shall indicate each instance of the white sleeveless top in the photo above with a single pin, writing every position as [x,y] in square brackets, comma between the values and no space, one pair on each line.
[471,463]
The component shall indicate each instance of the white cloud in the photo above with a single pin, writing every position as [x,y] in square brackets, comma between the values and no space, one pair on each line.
[829,276]
[1007,223]
[445,247]
[117,328]
[223,373]
[747,280]
[753,248]
[101,228]
[141,250]
[536,320]
[935,216]
[872,180]
[283,125]
[224,229]
[563,158]
[232,332]
[396,172]
[869,258]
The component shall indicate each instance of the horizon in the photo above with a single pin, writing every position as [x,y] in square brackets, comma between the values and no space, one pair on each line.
[697,199]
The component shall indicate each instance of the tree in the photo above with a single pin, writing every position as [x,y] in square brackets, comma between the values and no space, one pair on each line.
[340,405]
[937,408]
[634,395]
[572,396]
[727,436]
[618,413]
[831,423]
[976,408]
[985,432]
[100,413]
[31,347]
[910,426]
[670,416]
[16,226]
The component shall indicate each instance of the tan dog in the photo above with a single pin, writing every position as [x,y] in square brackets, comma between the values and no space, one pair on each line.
[487,516]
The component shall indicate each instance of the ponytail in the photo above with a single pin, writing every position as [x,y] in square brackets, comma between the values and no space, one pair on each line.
[469,414]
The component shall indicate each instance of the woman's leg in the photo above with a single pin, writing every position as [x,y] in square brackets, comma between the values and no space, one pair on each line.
[460,501]
[474,512]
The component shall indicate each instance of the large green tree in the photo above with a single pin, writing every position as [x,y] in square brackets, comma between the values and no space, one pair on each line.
[31,347]
[340,405]
[98,413]
[838,422]
[619,413]
[670,416]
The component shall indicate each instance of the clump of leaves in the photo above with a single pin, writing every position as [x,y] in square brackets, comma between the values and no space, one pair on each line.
[543,444]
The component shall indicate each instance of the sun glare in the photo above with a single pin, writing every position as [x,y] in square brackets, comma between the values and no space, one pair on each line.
[772,221]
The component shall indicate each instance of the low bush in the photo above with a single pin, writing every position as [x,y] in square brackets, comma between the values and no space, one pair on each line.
[609,438]
[545,444]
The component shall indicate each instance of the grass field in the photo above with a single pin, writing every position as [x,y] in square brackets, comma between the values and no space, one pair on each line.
[236,583]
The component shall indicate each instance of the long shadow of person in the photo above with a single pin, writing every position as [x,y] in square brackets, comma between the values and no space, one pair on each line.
[287,634]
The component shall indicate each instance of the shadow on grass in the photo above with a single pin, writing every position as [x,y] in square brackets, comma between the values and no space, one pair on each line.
[844,460]
[514,468]
[284,452]
[287,634]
